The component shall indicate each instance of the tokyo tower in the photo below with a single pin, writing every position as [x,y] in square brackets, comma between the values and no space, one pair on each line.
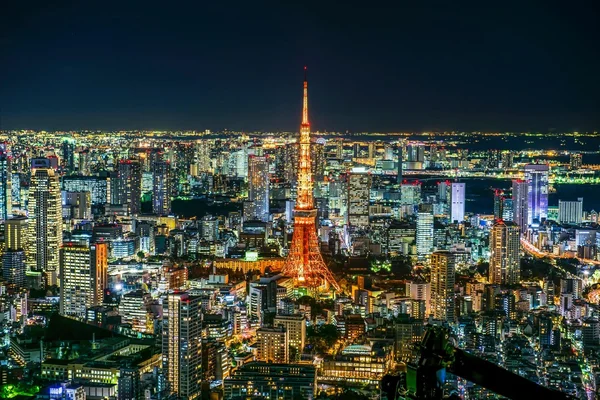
[305,263]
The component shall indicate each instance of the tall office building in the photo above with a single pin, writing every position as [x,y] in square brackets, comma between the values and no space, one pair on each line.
[295,326]
[416,152]
[83,277]
[424,231]
[520,190]
[457,202]
[133,310]
[359,192]
[318,159]
[399,176]
[98,186]
[129,185]
[273,345]
[505,247]
[161,188]
[182,344]
[575,161]
[13,268]
[45,220]
[570,212]
[5,186]
[507,210]
[68,155]
[202,158]
[15,233]
[498,203]
[258,188]
[443,264]
[410,194]
[444,191]
[537,176]
[77,205]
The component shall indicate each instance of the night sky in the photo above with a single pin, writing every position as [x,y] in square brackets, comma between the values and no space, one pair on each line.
[218,65]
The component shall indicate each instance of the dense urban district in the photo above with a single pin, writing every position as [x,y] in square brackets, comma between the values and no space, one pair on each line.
[230,265]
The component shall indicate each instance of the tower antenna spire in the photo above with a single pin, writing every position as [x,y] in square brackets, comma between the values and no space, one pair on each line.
[305,264]
[305,122]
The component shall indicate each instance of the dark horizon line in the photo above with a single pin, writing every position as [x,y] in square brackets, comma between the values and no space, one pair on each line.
[259,131]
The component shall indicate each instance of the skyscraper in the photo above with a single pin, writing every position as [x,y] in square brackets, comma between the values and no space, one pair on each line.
[13,268]
[182,344]
[570,212]
[443,264]
[5,186]
[399,176]
[305,264]
[68,155]
[45,220]
[83,277]
[424,231]
[15,233]
[161,187]
[359,191]
[505,247]
[537,176]
[258,188]
[129,185]
[457,200]
[520,196]
[498,203]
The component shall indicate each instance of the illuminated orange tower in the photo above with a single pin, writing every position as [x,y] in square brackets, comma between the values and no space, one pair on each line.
[305,263]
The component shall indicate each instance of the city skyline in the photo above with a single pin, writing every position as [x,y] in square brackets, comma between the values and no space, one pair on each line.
[394,68]
[299,263]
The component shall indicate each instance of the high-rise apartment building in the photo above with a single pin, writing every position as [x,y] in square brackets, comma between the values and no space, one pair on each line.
[258,188]
[498,203]
[15,233]
[520,196]
[182,344]
[457,202]
[68,155]
[443,265]
[295,326]
[399,175]
[359,191]
[424,231]
[129,185]
[273,345]
[13,268]
[5,184]
[83,277]
[505,247]
[410,194]
[537,176]
[161,188]
[45,220]
[570,212]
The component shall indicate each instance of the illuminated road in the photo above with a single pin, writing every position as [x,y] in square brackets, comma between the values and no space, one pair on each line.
[514,174]
[534,251]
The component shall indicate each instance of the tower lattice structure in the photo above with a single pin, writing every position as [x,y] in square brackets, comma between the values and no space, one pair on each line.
[304,262]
